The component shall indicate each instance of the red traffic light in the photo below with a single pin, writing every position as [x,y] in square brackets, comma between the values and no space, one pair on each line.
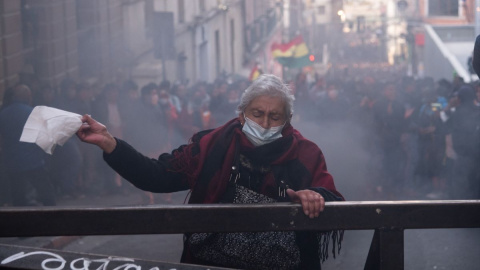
[311,58]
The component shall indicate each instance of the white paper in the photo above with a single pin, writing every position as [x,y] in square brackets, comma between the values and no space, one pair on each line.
[48,127]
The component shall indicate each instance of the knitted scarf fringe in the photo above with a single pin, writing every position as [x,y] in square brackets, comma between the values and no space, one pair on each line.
[324,241]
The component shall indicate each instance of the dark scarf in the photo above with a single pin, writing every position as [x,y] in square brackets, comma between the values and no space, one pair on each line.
[208,162]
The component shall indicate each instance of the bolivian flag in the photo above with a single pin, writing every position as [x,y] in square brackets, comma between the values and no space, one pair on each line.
[293,54]
[256,71]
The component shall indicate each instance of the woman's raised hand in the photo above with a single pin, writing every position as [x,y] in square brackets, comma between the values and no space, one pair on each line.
[96,133]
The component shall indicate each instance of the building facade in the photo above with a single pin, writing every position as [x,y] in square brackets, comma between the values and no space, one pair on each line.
[110,40]
[450,12]
[51,40]
[208,38]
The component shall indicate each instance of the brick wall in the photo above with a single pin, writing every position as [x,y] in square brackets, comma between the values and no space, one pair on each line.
[100,37]
[55,39]
[11,60]
[56,44]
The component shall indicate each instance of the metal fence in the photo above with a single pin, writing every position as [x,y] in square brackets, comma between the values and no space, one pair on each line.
[389,219]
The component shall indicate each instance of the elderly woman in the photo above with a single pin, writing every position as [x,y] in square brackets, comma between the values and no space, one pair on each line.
[259,154]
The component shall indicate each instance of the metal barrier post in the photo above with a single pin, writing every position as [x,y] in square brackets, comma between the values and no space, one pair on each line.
[386,251]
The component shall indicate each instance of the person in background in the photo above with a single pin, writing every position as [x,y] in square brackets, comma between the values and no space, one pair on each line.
[69,160]
[45,96]
[171,116]
[106,107]
[301,94]
[219,107]
[185,127]
[129,104]
[334,107]
[67,97]
[463,146]
[26,163]
[233,94]
[199,107]
[431,143]
[317,94]
[152,121]
[412,101]
[389,118]
[83,102]
[174,99]
[477,94]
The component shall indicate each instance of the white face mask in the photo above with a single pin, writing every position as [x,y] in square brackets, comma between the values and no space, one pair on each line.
[258,135]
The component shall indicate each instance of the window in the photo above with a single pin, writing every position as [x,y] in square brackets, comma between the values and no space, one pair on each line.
[443,8]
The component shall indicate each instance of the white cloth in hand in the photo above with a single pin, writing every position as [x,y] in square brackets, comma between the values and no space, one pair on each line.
[48,127]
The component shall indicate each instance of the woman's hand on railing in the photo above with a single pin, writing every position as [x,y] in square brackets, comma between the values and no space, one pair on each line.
[312,202]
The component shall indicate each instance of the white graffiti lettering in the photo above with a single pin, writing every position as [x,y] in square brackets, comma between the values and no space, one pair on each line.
[21,255]
[104,263]
[77,264]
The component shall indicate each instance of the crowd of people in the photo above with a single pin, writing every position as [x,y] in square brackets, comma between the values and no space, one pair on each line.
[425,134]
[154,118]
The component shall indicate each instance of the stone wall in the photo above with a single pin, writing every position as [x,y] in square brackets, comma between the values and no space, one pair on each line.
[54,39]
[11,57]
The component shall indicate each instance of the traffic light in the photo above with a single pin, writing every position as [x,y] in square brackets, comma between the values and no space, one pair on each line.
[311,57]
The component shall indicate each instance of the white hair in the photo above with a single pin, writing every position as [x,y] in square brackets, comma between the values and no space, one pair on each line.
[267,85]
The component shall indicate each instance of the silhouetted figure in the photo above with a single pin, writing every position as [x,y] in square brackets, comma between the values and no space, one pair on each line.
[26,163]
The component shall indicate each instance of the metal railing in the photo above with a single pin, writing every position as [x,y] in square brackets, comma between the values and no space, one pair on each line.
[389,219]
